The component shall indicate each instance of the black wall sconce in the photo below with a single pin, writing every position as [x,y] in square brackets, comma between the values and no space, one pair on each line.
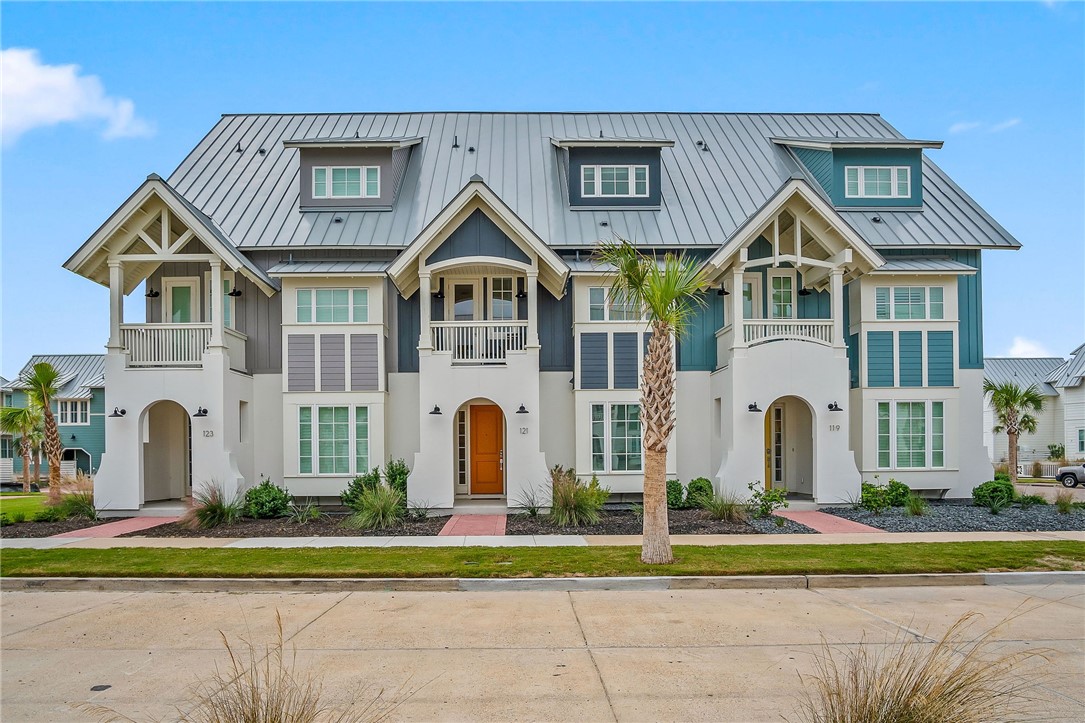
[752,407]
[436,410]
[440,292]
[521,293]
[200,412]
[834,407]
[72,437]
[522,410]
[118,412]
[723,291]
[804,291]
[152,294]
[234,292]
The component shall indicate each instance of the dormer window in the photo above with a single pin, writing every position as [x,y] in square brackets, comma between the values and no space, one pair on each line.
[614,181]
[877,182]
[346,182]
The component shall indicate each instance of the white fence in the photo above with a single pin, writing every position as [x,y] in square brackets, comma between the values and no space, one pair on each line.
[479,342]
[150,345]
[757,331]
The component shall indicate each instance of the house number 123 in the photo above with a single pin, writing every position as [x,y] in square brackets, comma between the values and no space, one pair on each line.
[209,433]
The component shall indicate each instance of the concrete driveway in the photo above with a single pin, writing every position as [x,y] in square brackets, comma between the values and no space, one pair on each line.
[719,655]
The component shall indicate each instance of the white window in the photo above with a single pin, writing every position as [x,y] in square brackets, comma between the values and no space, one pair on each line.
[346,181]
[601,307]
[73,411]
[332,306]
[502,299]
[1081,440]
[782,303]
[325,441]
[227,300]
[877,182]
[909,302]
[614,181]
[616,438]
[911,435]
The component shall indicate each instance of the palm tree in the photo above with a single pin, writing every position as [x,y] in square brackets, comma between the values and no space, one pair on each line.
[668,294]
[23,423]
[41,389]
[1013,406]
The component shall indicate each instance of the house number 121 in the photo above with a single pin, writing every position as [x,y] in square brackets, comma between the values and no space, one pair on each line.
[523,430]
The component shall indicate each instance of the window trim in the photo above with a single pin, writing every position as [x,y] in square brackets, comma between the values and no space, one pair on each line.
[64,416]
[607,439]
[314,439]
[229,307]
[892,305]
[328,195]
[598,180]
[928,434]
[893,190]
[1081,440]
[608,306]
[782,273]
[351,304]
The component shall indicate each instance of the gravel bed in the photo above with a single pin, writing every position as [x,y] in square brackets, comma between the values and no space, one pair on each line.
[965,517]
[624,522]
[328,526]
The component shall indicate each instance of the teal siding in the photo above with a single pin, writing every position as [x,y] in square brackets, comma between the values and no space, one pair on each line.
[877,157]
[939,358]
[879,358]
[408,327]
[88,437]
[911,358]
[697,346]
[820,164]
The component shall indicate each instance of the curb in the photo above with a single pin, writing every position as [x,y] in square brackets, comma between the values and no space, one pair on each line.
[558,584]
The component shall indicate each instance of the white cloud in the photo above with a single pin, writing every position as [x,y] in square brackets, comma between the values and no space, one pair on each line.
[964,126]
[35,95]
[1025,348]
[1004,125]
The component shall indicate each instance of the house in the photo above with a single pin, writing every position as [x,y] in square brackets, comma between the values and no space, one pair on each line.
[1062,422]
[325,292]
[79,408]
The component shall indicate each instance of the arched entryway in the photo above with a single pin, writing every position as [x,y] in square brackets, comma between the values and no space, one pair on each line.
[167,444]
[79,456]
[478,448]
[789,446]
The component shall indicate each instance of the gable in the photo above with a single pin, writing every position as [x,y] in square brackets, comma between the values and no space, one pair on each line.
[478,235]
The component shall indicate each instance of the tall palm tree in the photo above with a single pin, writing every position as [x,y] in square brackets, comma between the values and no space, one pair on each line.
[1013,407]
[22,423]
[668,293]
[41,389]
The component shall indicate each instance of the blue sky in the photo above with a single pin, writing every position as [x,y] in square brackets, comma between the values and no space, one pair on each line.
[1003,84]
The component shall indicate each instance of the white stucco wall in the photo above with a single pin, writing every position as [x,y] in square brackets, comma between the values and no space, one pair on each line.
[557,435]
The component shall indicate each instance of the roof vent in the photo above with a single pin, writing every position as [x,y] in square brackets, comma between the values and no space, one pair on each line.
[262,151]
[238,149]
[876,219]
[455,141]
[356,134]
[600,132]
[337,219]
[470,149]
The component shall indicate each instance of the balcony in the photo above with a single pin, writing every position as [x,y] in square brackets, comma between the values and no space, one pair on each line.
[478,342]
[819,331]
[177,345]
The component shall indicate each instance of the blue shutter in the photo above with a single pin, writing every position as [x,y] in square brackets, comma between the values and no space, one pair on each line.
[625,360]
[940,358]
[879,360]
[594,373]
[911,358]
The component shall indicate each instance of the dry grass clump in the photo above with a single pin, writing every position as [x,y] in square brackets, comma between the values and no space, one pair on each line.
[958,679]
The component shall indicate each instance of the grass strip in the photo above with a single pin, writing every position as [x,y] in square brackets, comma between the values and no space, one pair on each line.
[30,505]
[509,562]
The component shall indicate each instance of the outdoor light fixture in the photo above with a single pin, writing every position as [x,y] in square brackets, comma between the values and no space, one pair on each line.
[521,293]
[440,292]
[522,410]
[723,291]
[118,412]
[234,292]
[804,291]
[834,407]
[436,409]
[152,294]
[752,408]
[73,437]
[200,412]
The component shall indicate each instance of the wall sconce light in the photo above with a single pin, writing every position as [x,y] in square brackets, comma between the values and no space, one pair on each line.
[234,292]
[118,412]
[436,410]
[200,412]
[752,407]
[804,291]
[73,437]
[522,410]
[834,407]
[723,291]
[152,294]
[440,292]
[521,293]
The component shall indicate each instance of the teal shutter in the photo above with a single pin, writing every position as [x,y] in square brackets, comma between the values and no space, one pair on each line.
[879,360]
[911,358]
[940,358]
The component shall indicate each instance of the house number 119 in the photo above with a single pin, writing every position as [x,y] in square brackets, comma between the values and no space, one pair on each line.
[834,427]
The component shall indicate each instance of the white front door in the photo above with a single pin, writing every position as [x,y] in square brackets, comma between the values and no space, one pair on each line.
[463,303]
[182,301]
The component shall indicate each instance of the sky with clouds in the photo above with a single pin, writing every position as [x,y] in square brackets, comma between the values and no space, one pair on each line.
[89,111]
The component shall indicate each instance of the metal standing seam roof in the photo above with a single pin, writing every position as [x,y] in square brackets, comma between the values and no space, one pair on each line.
[329,267]
[924,265]
[1072,372]
[1023,372]
[79,373]
[706,195]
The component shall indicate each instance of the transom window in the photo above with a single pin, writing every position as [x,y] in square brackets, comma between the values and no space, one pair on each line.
[326,441]
[616,438]
[911,435]
[73,411]
[346,182]
[601,307]
[878,182]
[333,306]
[909,302]
[614,181]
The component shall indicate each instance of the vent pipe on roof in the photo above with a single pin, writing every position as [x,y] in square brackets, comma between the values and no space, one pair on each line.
[238,149]
[600,132]
[455,141]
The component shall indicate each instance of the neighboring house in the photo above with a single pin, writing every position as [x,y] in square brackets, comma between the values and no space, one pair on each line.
[79,408]
[326,292]
[7,442]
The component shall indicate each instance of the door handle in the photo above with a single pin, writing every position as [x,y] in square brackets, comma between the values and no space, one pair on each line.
[501,460]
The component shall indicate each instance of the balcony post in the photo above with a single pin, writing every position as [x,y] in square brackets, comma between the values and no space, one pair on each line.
[217,322]
[425,299]
[738,323]
[533,308]
[836,296]
[116,304]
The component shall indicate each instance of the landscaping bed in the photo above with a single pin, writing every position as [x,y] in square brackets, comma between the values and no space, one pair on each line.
[48,529]
[624,522]
[330,525]
[963,516]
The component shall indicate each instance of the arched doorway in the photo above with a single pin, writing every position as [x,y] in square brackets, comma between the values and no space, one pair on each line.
[789,446]
[167,444]
[79,456]
[479,449]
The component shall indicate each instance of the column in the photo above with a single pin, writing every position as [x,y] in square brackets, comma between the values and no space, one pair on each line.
[425,300]
[217,334]
[533,308]
[116,304]
[738,331]
[836,297]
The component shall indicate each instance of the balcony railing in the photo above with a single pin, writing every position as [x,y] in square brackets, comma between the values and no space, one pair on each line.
[479,342]
[165,345]
[758,331]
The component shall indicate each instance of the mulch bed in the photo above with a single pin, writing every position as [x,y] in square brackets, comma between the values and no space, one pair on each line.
[48,529]
[327,526]
[624,522]
[962,516]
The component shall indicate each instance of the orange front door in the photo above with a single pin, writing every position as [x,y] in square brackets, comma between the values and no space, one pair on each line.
[487,450]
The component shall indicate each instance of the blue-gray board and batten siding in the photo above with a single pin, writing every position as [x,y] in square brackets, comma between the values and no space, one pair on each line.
[594,367]
[478,236]
[580,157]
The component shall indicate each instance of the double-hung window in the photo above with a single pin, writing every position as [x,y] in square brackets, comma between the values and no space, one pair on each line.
[783,296]
[616,438]
[346,181]
[911,435]
[73,411]
[331,442]
[877,182]
[614,181]
[1081,440]
[602,307]
[502,303]
[909,302]
[333,306]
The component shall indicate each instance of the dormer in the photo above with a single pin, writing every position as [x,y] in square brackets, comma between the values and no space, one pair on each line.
[349,174]
[864,172]
[613,173]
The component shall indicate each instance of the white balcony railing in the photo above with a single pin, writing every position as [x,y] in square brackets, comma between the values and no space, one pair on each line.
[479,342]
[758,331]
[165,345]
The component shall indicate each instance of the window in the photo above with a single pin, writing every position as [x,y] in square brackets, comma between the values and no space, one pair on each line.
[326,446]
[502,306]
[614,181]
[602,308]
[616,438]
[73,411]
[346,182]
[909,302]
[1081,440]
[878,182]
[7,448]
[783,297]
[227,300]
[333,306]
[911,435]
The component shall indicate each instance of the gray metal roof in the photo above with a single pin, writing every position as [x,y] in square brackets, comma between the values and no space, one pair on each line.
[1071,373]
[328,267]
[924,265]
[706,195]
[828,142]
[79,373]
[1023,372]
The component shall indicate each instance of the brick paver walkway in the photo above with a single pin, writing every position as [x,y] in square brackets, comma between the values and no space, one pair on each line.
[487,525]
[826,523]
[120,527]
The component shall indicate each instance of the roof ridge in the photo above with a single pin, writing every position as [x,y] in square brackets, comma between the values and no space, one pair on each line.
[547,112]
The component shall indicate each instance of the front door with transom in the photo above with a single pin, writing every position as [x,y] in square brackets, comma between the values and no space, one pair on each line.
[487,450]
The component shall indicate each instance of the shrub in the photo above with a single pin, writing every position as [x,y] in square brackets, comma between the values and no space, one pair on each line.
[1037,469]
[697,491]
[896,493]
[377,509]
[304,513]
[727,507]
[266,501]
[874,498]
[395,474]
[51,514]
[764,502]
[530,501]
[1026,501]
[77,498]
[915,505]
[1056,452]
[1001,489]
[675,494]
[211,508]
[1001,475]
[418,510]
[638,511]
[18,517]
[5,520]
[997,503]
[1064,501]
[358,485]
[575,503]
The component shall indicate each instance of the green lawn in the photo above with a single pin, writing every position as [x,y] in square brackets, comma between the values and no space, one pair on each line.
[544,561]
[29,505]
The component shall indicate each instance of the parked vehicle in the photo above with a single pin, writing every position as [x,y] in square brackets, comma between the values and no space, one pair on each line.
[1072,476]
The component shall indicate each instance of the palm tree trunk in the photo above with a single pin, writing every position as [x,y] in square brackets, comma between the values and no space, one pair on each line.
[656,544]
[657,416]
[53,450]
[1012,435]
[37,466]
[26,464]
